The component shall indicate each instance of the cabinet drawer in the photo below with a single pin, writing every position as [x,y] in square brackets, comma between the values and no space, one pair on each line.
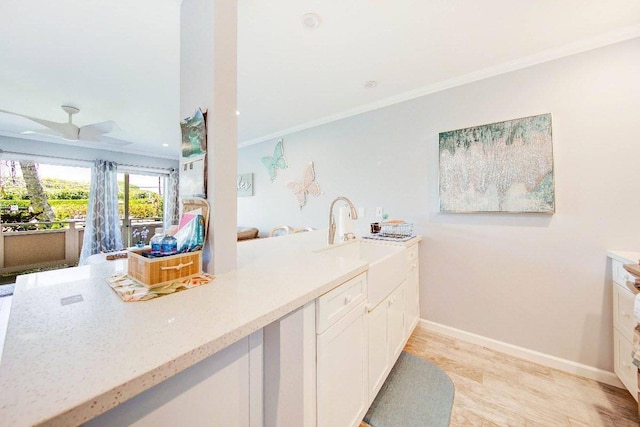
[338,302]
[623,364]
[619,274]
[623,318]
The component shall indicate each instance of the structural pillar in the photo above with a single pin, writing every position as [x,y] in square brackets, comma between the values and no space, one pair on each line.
[208,80]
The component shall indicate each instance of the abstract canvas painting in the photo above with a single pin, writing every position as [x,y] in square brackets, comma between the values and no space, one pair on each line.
[499,167]
[193,159]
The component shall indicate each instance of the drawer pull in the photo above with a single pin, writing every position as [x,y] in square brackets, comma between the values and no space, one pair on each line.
[348,299]
[177,267]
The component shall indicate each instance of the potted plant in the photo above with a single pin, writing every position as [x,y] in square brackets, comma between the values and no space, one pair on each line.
[140,236]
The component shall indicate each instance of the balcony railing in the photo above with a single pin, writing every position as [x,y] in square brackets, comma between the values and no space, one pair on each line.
[39,247]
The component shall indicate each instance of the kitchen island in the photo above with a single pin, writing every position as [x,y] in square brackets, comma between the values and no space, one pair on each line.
[74,349]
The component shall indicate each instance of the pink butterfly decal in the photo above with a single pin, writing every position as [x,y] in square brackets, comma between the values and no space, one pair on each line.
[307,186]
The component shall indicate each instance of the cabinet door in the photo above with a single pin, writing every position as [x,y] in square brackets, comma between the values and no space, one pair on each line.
[378,348]
[412,301]
[622,363]
[395,322]
[623,318]
[342,371]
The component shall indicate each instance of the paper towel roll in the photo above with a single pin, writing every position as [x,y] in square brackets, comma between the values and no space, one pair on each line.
[345,223]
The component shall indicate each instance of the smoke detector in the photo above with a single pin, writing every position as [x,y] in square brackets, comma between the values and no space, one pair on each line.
[310,20]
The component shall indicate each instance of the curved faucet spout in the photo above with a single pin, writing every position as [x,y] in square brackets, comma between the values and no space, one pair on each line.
[332,220]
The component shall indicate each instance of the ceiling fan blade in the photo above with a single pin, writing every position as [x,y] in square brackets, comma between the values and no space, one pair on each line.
[100,128]
[93,131]
[47,132]
[66,130]
[114,141]
[103,139]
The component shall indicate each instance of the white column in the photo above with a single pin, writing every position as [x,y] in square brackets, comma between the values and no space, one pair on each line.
[208,79]
[223,139]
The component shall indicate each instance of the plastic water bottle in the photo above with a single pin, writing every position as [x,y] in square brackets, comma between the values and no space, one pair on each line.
[169,245]
[156,242]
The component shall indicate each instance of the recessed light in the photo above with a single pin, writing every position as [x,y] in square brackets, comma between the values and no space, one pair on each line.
[237,113]
[165,145]
[370,84]
[311,20]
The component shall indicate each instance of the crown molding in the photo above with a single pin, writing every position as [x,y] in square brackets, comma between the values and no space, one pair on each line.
[621,35]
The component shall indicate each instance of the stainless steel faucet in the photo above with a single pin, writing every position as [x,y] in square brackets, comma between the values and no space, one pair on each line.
[332,219]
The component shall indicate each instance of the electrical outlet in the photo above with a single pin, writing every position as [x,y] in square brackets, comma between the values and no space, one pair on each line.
[379,211]
[361,212]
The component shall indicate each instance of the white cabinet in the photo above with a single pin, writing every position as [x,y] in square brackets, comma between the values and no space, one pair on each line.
[386,337]
[224,389]
[342,398]
[623,365]
[391,323]
[412,292]
[331,381]
[290,369]
[333,305]
[623,325]
[395,322]
[378,348]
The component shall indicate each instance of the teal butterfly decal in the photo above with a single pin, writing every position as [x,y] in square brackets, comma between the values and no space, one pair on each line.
[276,162]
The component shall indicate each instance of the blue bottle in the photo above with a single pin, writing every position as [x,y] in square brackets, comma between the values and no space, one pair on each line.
[169,245]
[156,242]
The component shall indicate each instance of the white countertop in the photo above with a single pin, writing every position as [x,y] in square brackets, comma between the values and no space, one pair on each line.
[67,364]
[625,257]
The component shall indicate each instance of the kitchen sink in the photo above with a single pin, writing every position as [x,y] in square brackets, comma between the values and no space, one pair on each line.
[387,265]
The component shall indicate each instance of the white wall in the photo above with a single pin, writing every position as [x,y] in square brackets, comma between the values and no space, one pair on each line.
[536,281]
[196,56]
[36,149]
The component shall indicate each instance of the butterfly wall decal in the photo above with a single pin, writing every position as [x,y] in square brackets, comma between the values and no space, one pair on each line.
[307,186]
[276,162]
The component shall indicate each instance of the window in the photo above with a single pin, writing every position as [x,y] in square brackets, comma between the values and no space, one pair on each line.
[141,204]
[49,198]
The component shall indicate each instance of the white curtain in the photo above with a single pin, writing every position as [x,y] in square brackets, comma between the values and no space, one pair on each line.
[171,214]
[102,230]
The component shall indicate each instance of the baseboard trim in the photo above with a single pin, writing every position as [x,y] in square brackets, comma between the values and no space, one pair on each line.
[524,353]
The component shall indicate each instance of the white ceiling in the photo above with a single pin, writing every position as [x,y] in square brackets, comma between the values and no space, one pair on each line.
[119,60]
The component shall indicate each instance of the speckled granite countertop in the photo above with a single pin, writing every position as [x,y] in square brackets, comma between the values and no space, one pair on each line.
[64,364]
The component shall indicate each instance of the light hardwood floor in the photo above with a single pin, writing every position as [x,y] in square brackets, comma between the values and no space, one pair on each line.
[493,389]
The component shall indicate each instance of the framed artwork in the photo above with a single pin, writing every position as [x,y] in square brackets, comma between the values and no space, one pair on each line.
[193,157]
[498,167]
[245,185]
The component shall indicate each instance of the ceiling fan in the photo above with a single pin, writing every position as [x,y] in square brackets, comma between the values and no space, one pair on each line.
[94,132]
